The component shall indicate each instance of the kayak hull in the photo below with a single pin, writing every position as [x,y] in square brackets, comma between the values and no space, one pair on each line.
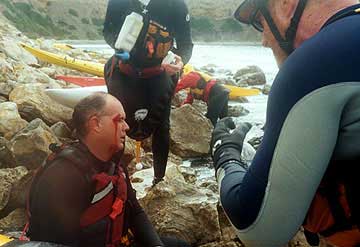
[71,96]
[66,61]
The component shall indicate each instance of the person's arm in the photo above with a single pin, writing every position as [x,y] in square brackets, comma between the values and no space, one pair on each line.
[116,12]
[61,197]
[184,44]
[188,81]
[173,68]
[283,177]
[143,230]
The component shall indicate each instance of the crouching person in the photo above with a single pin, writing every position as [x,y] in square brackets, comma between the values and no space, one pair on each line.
[82,196]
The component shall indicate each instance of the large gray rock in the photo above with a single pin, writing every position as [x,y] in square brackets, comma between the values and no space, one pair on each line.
[7,159]
[31,145]
[61,131]
[250,76]
[7,178]
[266,89]
[14,51]
[5,88]
[10,120]
[237,111]
[18,194]
[15,221]
[5,69]
[179,98]
[33,103]
[190,132]
[223,244]
[27,74]
[179,209]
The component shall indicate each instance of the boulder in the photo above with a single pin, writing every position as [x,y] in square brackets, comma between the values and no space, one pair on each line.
[237,111]
[223,244]
[266,89]
[5,69]
[31,145]
[179,98]
[14,51]
[61,131]
[27,74]
[7,159]
[10,120]
[5,88]
[7,179]
[15,221]
[18,194]
[33,103]
[250,76]
[190,132]
[247,70]
[200,106]
[177,208]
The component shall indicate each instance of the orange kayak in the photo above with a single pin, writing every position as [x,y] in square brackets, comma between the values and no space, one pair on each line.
[82,80]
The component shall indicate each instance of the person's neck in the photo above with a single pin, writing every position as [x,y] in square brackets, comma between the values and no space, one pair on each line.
[95,147]
[315,16]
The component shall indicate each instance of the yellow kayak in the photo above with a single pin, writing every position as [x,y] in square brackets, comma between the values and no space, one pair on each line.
[65,47]
[66,61]
[98,69]
[236,92]
[4,239]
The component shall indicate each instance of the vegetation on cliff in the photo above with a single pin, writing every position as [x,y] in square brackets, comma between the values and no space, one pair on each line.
[72,23]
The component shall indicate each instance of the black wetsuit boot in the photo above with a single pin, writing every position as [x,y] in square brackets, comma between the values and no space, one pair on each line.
[217,103]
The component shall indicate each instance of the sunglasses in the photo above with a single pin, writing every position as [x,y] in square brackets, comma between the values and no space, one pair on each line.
[255,20]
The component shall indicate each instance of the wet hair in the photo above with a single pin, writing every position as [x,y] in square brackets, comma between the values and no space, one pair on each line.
[91,105]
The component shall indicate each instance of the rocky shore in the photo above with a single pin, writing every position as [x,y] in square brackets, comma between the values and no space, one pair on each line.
[186,204]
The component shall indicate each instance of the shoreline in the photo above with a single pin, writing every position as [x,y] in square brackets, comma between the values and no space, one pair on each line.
[226,43]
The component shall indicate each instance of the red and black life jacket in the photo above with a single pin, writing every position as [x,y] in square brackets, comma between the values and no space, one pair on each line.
[200,84]
[154,43]
[105,213]
[335,210]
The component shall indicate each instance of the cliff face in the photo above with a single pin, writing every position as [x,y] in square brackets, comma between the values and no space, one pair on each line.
[80,19]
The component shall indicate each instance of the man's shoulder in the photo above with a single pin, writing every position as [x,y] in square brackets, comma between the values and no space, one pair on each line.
[72,159]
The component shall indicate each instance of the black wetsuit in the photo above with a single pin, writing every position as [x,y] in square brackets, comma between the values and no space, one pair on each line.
[61,193]
[312,117]
[147,100]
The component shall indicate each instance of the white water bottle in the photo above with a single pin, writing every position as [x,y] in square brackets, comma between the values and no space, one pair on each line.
[129,32]
[170,58]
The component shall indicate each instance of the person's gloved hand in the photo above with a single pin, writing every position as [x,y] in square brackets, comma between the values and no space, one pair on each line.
[175,67]
[226,146]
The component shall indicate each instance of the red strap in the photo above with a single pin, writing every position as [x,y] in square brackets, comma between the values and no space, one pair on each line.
[140,73]
[23,233]
[117,208]
[150,47]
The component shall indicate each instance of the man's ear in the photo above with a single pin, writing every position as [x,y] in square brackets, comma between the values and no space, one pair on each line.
[94,124]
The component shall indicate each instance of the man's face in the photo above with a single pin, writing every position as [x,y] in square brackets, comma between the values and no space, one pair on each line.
[112,125]
[282,23]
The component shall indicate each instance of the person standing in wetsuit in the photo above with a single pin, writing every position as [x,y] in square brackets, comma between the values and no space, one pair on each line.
[143,84]
[306,169]
[82,196]
[204,87]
